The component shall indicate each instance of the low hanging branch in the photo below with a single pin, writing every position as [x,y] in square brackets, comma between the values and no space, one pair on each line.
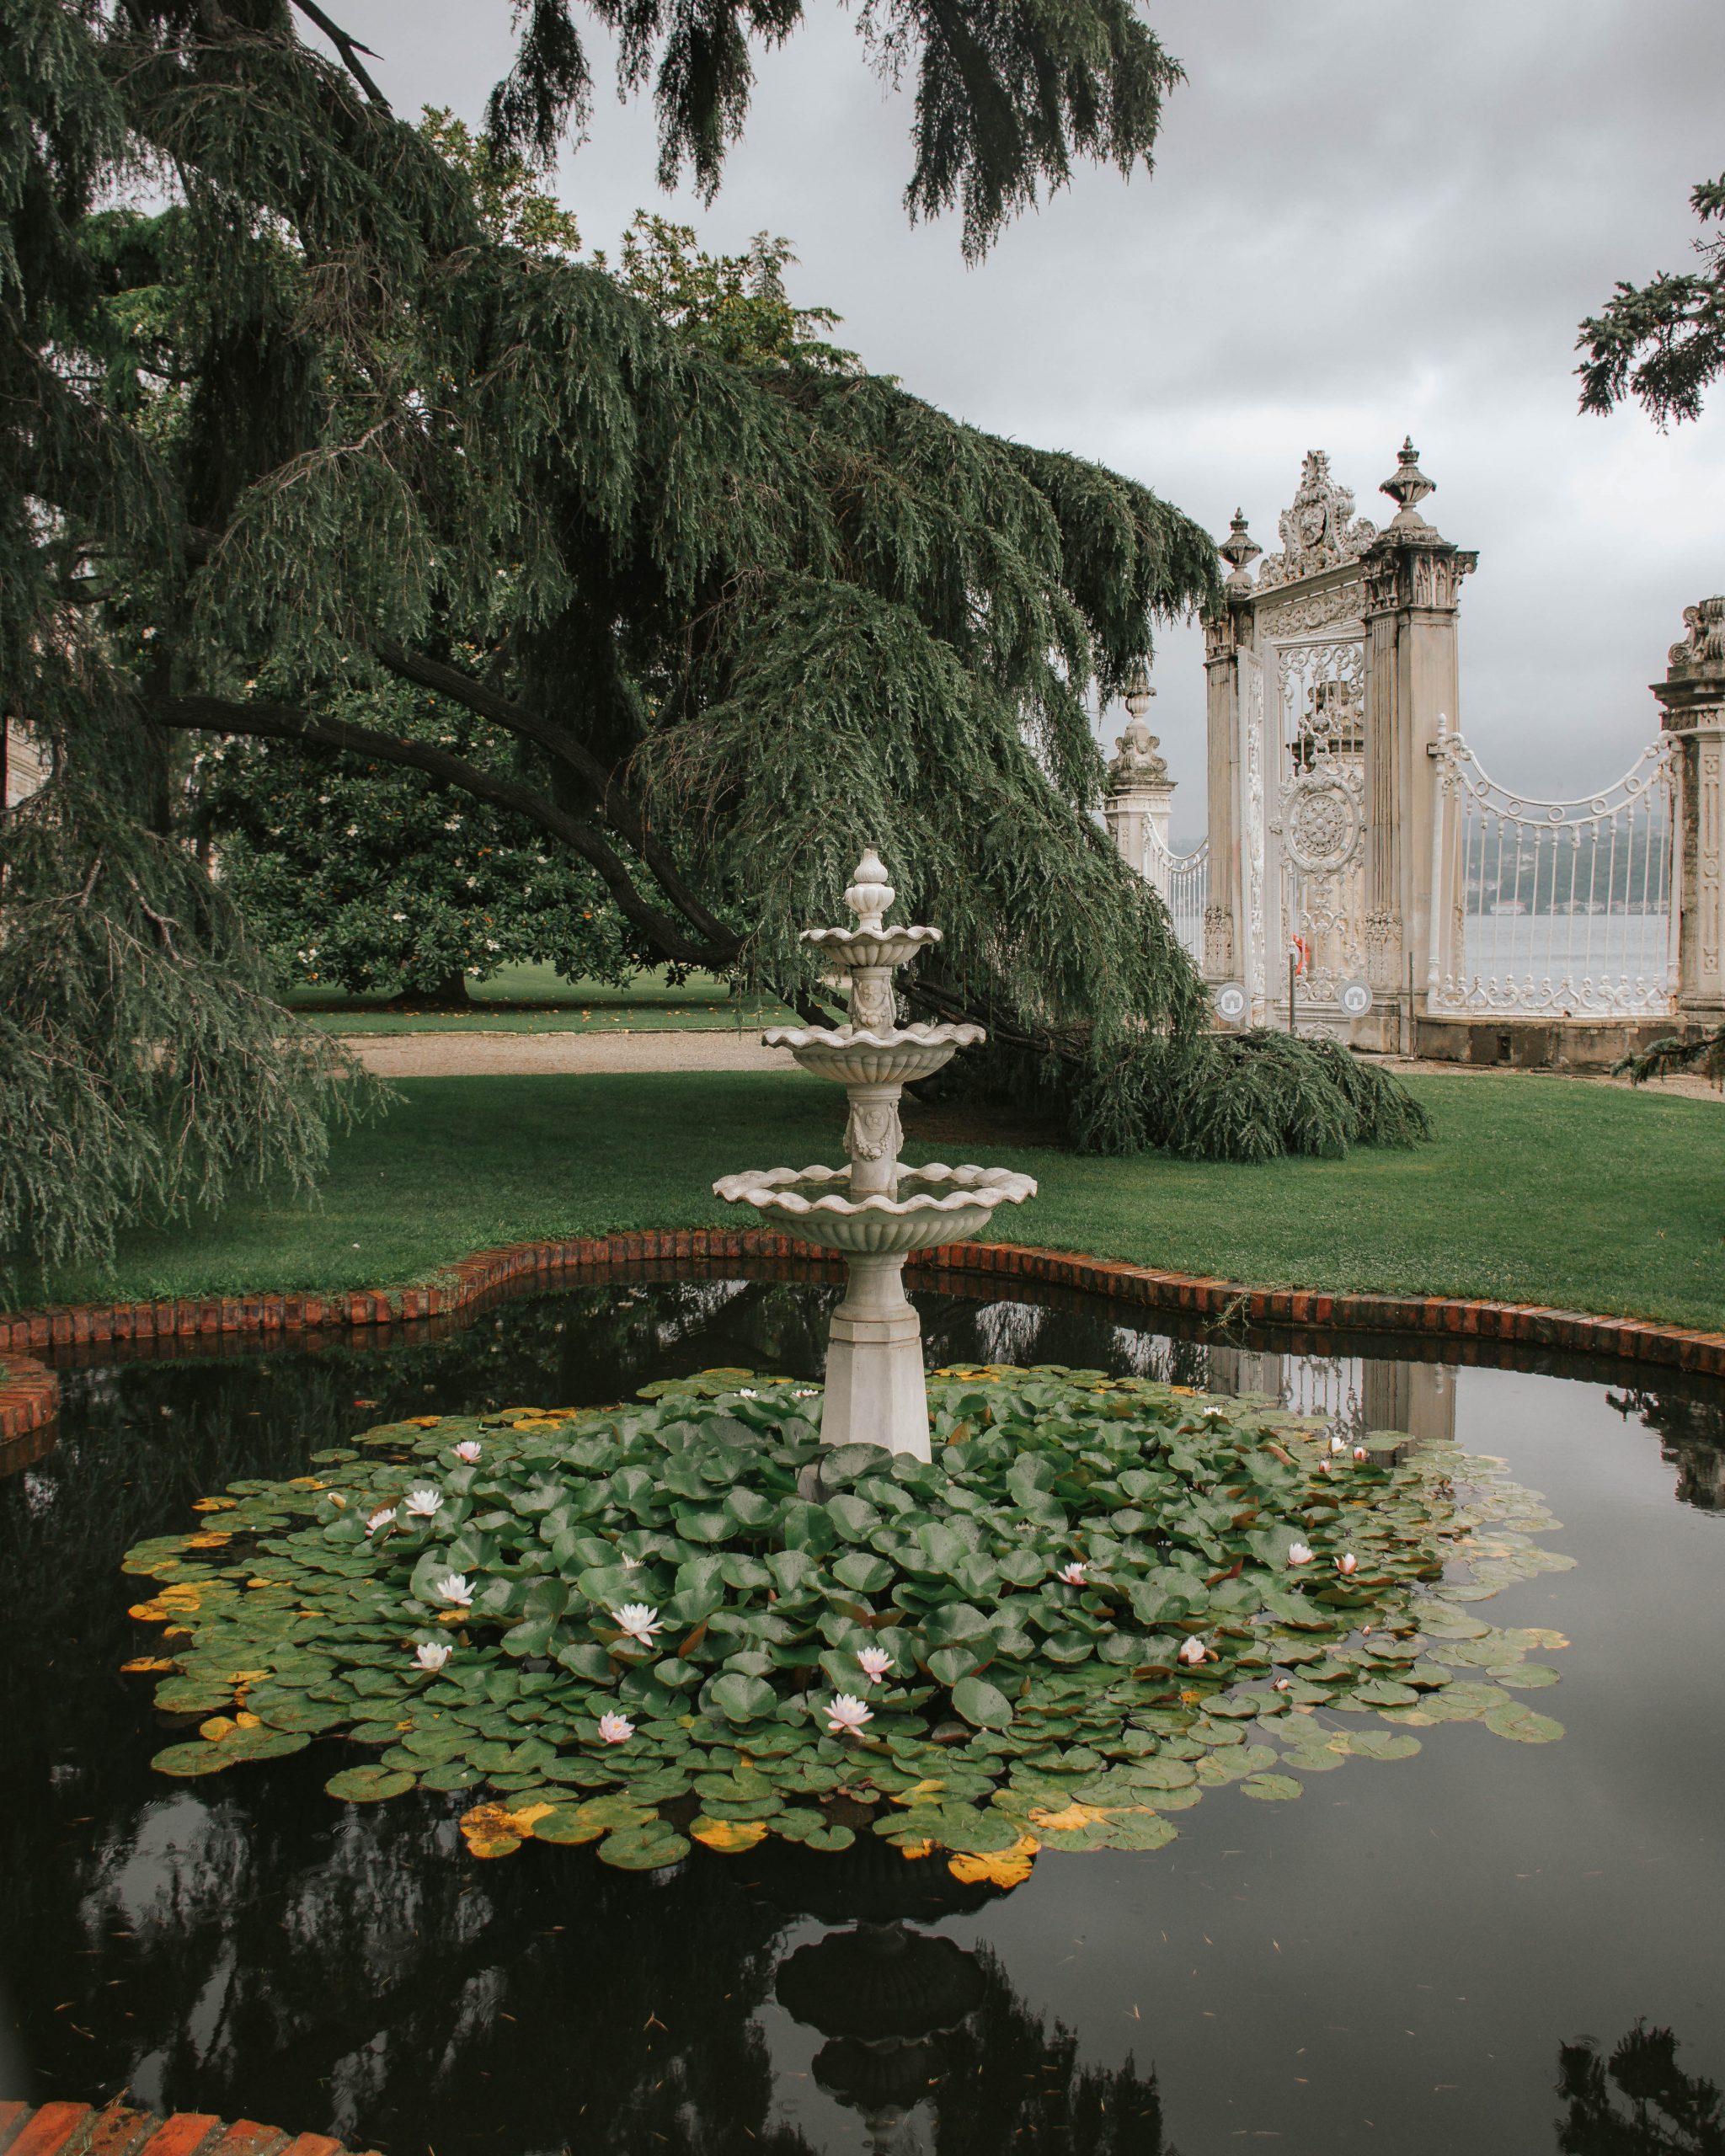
[287,722]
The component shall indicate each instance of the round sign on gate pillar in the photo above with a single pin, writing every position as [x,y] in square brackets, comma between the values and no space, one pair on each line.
[1355,998]
[1229,1002]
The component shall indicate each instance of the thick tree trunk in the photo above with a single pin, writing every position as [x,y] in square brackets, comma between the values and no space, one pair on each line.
[449,994]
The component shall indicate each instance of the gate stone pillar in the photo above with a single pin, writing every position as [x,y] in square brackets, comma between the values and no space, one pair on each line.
[1227,632]
[1412,595]
[1692,711]
[1140,793]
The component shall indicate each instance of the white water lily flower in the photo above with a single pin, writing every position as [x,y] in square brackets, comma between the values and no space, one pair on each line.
[385,1518]
[1298,1554]
[1347,1564]
[468,1451]
[1072,1574]
[874,1663]
[423,1502]
[632,1564]
[454,1587]
[805,1392]
[1192,1650]
[845,1714]
[638,1621]
[432,1654]
[1215,1410]
[1338,1444]
[1283,1684]
[615,1729]
[747,1392]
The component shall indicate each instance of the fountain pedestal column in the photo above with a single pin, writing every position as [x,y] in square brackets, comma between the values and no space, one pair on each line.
[876,1393]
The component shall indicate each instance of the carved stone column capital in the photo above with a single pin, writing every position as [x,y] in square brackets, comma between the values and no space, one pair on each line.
[1692,695]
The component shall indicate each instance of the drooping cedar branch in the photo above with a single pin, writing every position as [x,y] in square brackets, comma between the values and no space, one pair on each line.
[613,800]
[348,46]
[287,722]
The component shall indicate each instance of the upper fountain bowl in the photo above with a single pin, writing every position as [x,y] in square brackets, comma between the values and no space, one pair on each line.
[851,948]
[935,1204]
[854,1056]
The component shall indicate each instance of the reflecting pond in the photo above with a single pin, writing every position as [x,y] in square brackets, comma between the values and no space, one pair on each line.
[1480,1949]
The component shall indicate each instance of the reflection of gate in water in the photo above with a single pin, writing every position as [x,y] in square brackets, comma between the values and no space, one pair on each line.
[1356,1393]
[1319,821]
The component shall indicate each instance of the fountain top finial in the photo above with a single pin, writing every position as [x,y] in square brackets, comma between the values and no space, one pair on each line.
[870,894]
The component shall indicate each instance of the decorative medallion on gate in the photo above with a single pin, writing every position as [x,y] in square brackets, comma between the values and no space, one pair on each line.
[1320,823]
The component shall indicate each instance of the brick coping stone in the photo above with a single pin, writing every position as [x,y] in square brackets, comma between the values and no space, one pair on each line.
[118,2130]
[29,1391]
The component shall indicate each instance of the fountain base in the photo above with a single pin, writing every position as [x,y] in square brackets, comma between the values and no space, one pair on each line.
[876,1393]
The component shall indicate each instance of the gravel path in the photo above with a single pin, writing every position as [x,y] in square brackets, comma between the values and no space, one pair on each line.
[484,1055]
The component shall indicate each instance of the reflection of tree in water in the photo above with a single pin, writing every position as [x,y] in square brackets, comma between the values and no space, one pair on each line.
[1637,2102]
[1692,1435]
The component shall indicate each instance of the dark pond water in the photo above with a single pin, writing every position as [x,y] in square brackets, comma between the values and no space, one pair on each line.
[1443,1954]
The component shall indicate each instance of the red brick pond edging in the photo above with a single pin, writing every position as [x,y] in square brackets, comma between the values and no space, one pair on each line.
[28,1333]
[117,2130]
[29,1398]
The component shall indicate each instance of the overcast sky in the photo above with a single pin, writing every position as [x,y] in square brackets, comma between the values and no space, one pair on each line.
[1368,217]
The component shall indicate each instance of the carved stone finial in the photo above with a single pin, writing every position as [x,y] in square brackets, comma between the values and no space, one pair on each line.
[870,894]
[1407,487]
[1138,763]
[1319,529]
[1239,548]
[1703,649]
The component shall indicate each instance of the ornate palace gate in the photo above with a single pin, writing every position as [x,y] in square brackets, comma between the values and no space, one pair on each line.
[1352,829]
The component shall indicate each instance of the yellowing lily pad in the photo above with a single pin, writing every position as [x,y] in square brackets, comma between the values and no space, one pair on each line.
[729,1836]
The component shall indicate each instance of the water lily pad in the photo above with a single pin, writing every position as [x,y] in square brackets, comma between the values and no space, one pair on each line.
[1271,1788]
[982,1704]
[1522,1726]
[369,1785]
[648,1847]
[188,1759]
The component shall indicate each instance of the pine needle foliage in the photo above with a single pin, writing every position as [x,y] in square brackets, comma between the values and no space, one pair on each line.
[349,415]
[1662,343]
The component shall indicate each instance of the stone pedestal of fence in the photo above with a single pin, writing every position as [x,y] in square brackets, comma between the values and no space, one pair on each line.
[1692,704]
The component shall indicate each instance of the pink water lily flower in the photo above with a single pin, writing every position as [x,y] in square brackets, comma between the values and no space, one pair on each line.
[1323,1467]
[423,1502]
[468,1450]
[454,1587]
[638,1621]
[845,1714]
[1347,1564]
[874,1663]
[432,1654]
[1359,1454]
[1298,1554]
[1283,1684]
[384,1517]
[1072,1574]
[1192,1651]
[615,1729]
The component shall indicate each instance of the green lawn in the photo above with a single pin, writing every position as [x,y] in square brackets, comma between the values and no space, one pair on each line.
[1535,1189]
[533,1000]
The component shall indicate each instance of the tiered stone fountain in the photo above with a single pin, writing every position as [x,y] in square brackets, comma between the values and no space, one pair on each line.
[876,1211]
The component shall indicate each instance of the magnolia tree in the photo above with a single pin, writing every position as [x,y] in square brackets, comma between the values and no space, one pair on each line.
[326,425]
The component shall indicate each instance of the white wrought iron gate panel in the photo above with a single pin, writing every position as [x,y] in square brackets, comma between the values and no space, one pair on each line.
[1556,909]
[1315,879]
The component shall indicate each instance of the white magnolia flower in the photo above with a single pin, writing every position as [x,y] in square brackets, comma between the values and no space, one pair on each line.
[1192,1650]
[615,1729]
[1298,1554]
[874,1663]
[1347,1564]
[1072,1574]
[432,1654]
[423,1502]
[398,916]
[382,1519]
[467,1451]
[845,1714]
[638,1621]
[454,1587]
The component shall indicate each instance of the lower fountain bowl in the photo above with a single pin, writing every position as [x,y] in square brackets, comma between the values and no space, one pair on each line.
[934,1204]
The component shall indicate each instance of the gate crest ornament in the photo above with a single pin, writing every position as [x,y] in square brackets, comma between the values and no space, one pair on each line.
[1319,529]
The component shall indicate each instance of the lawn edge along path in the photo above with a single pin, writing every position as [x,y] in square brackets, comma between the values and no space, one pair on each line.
[29,1391]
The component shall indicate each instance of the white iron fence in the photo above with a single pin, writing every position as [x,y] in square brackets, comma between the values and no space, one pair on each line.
[1184,881]
[1556,909]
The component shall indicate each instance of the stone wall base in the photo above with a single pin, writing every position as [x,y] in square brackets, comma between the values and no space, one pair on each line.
[1539,1043]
